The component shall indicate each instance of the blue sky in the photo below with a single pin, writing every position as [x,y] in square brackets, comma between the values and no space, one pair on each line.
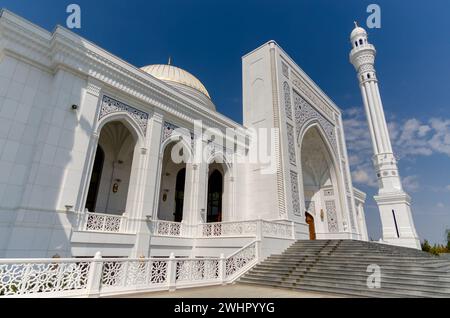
[208,38]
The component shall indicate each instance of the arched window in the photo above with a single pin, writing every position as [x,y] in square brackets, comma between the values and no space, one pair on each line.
[361,42]
[356,43]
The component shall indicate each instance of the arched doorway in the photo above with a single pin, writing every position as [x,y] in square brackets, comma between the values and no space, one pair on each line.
[320,183]
[311,225]
[179,195]
[173,182]
[111,172]
[215,193]
[94,185]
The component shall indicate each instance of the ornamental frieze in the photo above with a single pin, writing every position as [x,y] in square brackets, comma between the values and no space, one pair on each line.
[332,216]
[304,112]
[291,145]
[300,85]
[110,106]
[295,194]
[287,100]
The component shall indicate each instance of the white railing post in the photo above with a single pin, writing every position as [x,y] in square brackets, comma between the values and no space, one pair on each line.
[259,230]
[258,251]
[95,277]
[223,269]
[85,221]
[123,226]
[172,272]
[293,230]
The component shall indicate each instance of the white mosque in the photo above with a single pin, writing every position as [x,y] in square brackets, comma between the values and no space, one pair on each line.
[89,149]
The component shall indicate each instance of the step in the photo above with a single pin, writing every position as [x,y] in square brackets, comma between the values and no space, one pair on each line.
[360,268]
[339,291]
[352,289]
[358,257]
[385,283]
[400,276]
[293,258]
[393,277]
[340,267]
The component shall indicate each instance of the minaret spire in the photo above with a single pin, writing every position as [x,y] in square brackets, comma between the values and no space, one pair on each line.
[170,61]
[393,202]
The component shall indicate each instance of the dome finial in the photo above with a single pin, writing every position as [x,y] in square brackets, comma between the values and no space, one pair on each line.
[356,24]
[170,61]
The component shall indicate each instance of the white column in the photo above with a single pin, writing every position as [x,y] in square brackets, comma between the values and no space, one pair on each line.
[149,186]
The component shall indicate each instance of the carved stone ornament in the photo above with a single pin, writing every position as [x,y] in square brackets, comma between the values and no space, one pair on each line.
[111,105]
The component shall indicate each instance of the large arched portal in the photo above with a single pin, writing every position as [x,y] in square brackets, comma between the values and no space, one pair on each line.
[111,172]
[173,183]
[320,184]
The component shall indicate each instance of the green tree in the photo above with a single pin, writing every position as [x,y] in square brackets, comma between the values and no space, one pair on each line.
[426,247]
[448,241]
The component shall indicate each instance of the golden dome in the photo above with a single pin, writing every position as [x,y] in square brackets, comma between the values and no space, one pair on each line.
[173,74]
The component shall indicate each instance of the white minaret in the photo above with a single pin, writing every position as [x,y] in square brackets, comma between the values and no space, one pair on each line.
[393,202]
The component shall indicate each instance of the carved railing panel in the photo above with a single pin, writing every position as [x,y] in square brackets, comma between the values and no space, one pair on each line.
[96,222]
[22,278]
[240,260]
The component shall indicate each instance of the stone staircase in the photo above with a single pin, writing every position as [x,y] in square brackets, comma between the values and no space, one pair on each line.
[340,267]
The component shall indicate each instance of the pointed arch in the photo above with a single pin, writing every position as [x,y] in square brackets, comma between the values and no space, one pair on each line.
[321,180]
[314,123]
[125,119]
[218,162]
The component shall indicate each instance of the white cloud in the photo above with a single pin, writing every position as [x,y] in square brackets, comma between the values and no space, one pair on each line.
[411,183]
[410,138]
[362,176]
[440,205]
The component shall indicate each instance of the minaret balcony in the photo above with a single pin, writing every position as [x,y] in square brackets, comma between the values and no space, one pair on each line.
[364,47]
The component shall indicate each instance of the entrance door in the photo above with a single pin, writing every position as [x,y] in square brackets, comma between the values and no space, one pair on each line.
[312,228]
[179,196]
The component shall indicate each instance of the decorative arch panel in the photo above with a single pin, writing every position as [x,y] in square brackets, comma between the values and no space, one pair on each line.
[305,113]
[110,106]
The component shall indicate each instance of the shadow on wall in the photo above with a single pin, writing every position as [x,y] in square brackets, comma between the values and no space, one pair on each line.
[44,156]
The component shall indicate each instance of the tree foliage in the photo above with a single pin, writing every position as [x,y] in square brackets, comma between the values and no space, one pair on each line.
[436,249]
